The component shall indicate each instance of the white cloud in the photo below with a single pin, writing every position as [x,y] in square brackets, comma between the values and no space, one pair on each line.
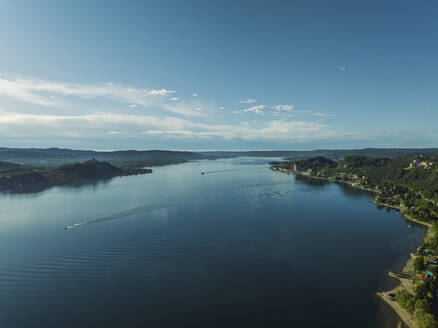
[99,124]
[342,68]
[255,109]
[13,85]
[35,91]
[177,134]
[287,108]
[68,115]
[275,130]
[195,94]
[183,109]
[283,115]
[23,92]
[161,92]
[247,101]
[299,112]
[309,113]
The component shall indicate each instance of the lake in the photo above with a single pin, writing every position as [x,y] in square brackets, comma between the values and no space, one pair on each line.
[240,246]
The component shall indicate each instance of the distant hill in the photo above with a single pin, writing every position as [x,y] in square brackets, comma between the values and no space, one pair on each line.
[57,156]
[137,158]
[329,153]
[7,166]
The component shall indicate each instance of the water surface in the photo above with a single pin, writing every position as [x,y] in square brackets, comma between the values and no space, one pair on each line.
[238,246]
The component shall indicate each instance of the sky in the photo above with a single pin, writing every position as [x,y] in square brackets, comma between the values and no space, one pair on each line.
[218,75]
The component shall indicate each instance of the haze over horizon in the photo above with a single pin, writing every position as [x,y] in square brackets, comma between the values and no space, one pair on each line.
[197,75]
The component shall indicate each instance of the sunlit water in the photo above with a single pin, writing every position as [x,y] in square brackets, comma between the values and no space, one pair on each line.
[240,246]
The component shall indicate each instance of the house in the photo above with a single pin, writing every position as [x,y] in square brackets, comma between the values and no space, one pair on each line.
[414,163]
[418,163]
[426,164]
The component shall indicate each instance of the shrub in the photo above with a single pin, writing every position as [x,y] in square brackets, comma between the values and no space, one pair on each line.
[423,305]
[425,319]
[406,300]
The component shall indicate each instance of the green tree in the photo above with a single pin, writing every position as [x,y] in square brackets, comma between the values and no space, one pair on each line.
[425,319]
[424,290]
[419,264]
[423,305]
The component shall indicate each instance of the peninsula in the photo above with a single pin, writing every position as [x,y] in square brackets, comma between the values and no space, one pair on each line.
[16,178]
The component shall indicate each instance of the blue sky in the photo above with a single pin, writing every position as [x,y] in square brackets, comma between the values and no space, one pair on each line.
[218,74]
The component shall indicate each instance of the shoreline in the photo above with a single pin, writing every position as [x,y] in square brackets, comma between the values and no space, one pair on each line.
[404,315]
[404,284]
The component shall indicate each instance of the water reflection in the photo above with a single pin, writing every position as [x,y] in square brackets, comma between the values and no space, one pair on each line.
[36,190]
[246,247]
[317,183]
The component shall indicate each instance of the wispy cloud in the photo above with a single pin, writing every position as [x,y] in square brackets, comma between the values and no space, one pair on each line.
[101,124]
[287,108]
[254,109]
[41,92]
[342,68]
[111,126]
[72,111]
[309,113]
[195,94]
[247,101]
[24,92]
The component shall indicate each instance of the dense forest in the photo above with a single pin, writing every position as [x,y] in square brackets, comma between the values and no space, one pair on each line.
[416,173]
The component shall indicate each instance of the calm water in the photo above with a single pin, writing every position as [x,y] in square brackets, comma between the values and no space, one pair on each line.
[241,246]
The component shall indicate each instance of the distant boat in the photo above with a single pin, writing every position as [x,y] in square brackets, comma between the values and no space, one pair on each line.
[202,173]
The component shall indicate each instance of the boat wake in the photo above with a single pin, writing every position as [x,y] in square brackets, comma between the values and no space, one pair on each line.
[168,202]
[171,201]
[217,171]
[76,225]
